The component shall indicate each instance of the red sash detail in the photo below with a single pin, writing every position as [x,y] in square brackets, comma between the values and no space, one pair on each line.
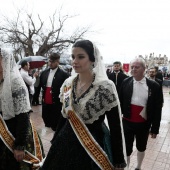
[135,114]
[48,96]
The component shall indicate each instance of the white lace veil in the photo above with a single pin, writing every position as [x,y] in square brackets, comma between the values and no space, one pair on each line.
[15,98]
[99,67]
[100,72]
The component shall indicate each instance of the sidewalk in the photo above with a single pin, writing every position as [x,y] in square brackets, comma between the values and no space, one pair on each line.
[157,155]
[45,133]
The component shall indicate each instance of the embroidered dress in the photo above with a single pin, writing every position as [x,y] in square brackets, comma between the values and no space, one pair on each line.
[67,152]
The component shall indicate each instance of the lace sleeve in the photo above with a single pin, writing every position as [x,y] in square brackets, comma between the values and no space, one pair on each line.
[20,97]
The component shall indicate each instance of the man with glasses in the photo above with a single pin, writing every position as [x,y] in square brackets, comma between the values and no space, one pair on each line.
[50,81]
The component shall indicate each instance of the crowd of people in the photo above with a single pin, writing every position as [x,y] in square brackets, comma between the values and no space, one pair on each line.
[76,107]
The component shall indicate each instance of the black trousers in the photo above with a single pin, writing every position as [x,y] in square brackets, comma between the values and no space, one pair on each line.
[51,114]
[36,96]
[138,131]
[30,97]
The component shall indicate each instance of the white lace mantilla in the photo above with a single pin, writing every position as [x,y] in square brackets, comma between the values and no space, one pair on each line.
[14,97]
[99,99]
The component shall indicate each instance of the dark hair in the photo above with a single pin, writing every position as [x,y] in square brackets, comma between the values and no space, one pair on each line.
[87,46]
[156,67]
[153,68]
[24,63]
[117,62]
[54,56]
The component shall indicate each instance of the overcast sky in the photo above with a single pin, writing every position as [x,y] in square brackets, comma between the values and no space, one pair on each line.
[124,28]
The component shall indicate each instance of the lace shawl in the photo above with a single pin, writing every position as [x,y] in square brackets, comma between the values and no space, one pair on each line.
[99,99]
[14,98]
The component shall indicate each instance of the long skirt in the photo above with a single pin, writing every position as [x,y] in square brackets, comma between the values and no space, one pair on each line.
[7,160]
[66,152]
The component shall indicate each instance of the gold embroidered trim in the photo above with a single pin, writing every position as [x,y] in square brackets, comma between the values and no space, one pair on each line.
[38,151]
[88,142]
[8,139]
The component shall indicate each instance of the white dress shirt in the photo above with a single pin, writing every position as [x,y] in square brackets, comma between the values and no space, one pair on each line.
[140,95]
[50,77]
[28,79]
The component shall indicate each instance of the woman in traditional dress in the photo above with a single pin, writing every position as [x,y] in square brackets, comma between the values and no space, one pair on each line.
[20,147]
[82,141]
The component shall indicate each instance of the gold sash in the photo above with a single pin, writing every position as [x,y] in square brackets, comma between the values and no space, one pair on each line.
[84,136]
[8,140]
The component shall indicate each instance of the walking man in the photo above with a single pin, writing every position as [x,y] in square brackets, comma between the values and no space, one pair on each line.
[117,76]
[141,105]
[152,76]
[50,82]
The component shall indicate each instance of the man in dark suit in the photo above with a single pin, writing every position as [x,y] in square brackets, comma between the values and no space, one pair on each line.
[152,76]
[51,81]
[117,76]
[141,105]
[158,73]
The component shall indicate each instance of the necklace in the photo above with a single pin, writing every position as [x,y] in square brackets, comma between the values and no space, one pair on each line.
[82,88]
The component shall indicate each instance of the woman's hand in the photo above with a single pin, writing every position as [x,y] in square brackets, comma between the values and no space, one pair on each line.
[19,155]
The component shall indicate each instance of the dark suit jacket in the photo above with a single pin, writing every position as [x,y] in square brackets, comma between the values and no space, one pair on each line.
[57,82]
[120,77]
[159,76]
[154,103]
[160,83]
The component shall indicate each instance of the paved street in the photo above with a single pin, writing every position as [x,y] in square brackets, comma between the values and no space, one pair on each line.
[158,150]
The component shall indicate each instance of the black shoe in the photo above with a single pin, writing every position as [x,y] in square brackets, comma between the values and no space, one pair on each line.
[137,169]
[34,104]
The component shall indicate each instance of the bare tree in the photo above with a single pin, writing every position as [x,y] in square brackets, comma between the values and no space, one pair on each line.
[32,37]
